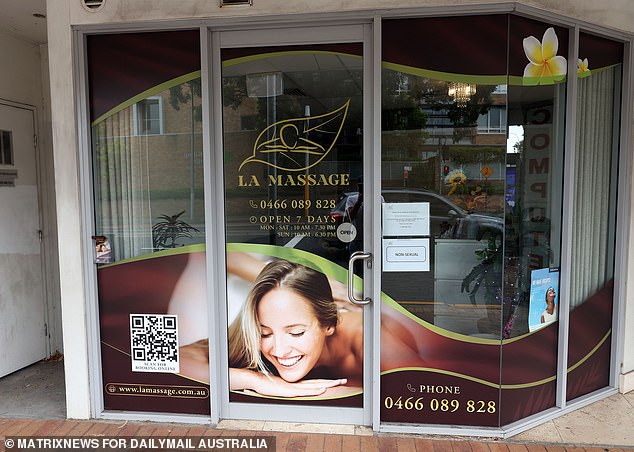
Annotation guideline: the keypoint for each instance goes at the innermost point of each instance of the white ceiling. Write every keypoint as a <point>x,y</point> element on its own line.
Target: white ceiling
<point>16,19</point>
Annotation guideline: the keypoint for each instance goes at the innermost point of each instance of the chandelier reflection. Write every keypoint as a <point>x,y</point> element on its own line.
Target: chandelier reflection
<point>461,92</point>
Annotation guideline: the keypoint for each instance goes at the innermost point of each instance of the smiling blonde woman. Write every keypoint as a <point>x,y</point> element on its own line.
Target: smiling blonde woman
<point>290,327</point>
<point>295,336</point>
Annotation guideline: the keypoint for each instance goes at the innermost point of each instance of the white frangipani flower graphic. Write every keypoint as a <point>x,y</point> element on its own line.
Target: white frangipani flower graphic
<point>544,63</point>
<point>583,69</point>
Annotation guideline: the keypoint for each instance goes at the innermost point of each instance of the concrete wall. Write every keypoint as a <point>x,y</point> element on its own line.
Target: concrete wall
<point>48,210</point>
<point>626,382</point>
<point>21,81</point>
<point>68,210</point>
<point>62,14</point>
<point>617,14</point>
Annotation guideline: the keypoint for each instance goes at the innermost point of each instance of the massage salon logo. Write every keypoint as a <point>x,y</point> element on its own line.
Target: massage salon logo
<point>297,144</point>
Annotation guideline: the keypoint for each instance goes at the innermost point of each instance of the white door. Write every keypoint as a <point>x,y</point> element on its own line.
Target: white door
<point>22,325</point>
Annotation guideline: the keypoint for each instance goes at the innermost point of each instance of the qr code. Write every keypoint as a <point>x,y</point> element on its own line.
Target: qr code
<point>154,343</point>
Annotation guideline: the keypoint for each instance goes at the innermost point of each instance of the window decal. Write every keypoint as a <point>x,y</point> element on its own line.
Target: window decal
<point>291,142</point>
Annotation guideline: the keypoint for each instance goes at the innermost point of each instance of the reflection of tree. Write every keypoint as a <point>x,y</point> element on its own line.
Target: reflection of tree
<point>463,117</point>
<point>401,113</point>
<point>321,94</point>
<point>400,107</point>
<point>189,93</point>
<point>186,93</point>
<point>168,230</point>
<point>234,90</point>
<point>464,155</point>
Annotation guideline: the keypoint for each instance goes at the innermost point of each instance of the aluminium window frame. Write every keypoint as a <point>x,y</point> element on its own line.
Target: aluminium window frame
<point>492,130</point>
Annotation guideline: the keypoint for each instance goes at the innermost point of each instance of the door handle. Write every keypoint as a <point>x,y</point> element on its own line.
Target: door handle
<point>357,255</point>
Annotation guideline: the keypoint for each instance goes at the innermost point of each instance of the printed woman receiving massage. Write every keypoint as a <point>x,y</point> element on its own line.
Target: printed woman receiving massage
<point>290,328</point>
<point>291,339</point>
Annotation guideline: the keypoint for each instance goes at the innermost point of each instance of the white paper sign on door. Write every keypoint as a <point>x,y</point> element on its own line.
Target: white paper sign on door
<point>405,255</point>
<point>405,219</point>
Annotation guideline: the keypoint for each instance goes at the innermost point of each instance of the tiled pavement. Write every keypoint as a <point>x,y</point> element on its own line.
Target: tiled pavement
<point>285,441</point>
<point>37,394</point>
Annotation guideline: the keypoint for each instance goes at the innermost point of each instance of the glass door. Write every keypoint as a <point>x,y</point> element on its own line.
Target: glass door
<point>292,138</point>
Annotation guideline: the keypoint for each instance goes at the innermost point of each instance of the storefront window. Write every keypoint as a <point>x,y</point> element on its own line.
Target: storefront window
<point>473,175</point>
<point>477,139</point>
<point>535,166</point>
<point>148,173</point>
<point>594,213</point>
<point>443,158</point>
<point>145,105</point>
<point>532,245</point>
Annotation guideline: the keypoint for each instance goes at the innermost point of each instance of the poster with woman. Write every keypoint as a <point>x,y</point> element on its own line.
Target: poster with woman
<point>544,298</point>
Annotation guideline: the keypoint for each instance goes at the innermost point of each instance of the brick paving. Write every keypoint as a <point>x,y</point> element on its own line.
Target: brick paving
<point>285,441</point>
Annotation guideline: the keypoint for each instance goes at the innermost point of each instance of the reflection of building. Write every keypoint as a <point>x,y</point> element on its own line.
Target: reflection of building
<point>158,140</point>
<point>469,135</point>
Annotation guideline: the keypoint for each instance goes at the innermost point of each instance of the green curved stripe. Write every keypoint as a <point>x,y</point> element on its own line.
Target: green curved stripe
<point>446,333</point>
<point>478,79</point>
<point>127,354</point>
<point>592,352</point>
<point>341,274</point>
<point>497,385</point>
<point>448,76</point>
<point>260,56</point>
<point>597,70</point>
<point>475,79</point>
<point>300,257</point>
<point>149,92</point>
<point>516,80</point>
<point>167,252</point>
<point>443,372</point>
<point>253,394</point>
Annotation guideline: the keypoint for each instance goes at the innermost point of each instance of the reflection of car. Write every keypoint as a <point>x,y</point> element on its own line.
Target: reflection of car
<point>447,220</point>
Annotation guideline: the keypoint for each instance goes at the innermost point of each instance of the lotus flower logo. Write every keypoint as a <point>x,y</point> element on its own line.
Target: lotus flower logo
<point>299,143</point>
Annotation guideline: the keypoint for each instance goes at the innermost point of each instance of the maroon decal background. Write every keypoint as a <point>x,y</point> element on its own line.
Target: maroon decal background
<point>139,287</point>
<point>524,362</point>
<point>600,52</point>
<point>120,66</point>
<point>433,410</point>
<point>349,49</point>
<point>471,45</point>
<point>589,323</point>
<point>474,45</point>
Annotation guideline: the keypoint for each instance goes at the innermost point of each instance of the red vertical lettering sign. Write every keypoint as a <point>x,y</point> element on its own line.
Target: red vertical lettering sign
<point>536,172</point>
